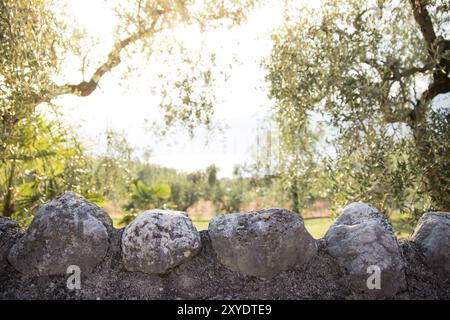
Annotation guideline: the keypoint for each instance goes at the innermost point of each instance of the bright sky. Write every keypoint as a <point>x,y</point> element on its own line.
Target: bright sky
<point>243,98</point>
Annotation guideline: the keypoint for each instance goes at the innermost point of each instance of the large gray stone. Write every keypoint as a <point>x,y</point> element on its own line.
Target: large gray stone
<point>7,225</point>
<point>159,240</point>
<point>361,238</point>
<point>9,230</point>
<point>66,231</point>
<point>262,243</point>
<point>432,235</point>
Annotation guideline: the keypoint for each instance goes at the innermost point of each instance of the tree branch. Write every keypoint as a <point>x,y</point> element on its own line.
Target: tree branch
<point>441,82</point>
<point>85,88</point>
<point>423,19</point>
<point>398,74</point>
<point>434,89</point>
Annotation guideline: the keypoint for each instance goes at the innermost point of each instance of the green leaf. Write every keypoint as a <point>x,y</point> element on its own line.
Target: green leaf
<point>162,190</point>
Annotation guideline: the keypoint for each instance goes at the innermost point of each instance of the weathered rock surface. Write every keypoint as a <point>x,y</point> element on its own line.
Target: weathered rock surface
<point>66,231</point>
<point>432,235</point>
<point>159,240</point>
<point>262,243</point>
<point>360,238</point>
<point>7,225</point>
<point>9,230</point>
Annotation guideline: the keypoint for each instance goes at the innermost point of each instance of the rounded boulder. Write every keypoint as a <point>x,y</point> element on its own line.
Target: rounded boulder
<point>66,231</point>
<point>364,244</point>
<point>159,240</point>
<point>262,243</point>
<point>432,235</point>
<point>9,231</point>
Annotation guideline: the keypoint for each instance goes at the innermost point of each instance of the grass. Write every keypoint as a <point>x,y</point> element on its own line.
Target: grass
<point>317,226</point>
<point>201,224</point>
<point>403,225</point>
<point>116,221</point>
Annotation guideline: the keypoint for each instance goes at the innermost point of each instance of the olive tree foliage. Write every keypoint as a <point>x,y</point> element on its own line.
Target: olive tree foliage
<point>113,166</point>
<point>35,39</point>
<point>30,147</point>
<point>29,39</point>
<point>378,72</point>
<point>145,28</point>
<point>286,172</point>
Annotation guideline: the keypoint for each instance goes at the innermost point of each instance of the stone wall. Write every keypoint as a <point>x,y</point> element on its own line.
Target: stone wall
<point>72,251</point>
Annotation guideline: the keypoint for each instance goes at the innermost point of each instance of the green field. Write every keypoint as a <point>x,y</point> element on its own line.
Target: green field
<point>402,224</point>
<point>317,226</point>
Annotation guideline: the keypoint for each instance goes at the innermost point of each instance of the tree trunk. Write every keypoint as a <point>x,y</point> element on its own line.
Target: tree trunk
<point>294,196</point>
<point>10,195</point>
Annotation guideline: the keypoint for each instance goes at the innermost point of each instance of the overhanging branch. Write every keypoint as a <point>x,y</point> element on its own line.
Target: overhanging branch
<point>441,82</point>
<point>399,74</point>
<point>85,88</point>
<point>424,22</point>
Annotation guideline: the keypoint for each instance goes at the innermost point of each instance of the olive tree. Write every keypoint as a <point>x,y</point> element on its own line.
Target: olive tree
<point>378,72</point>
